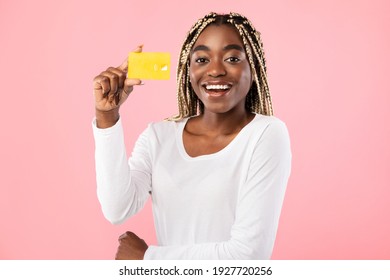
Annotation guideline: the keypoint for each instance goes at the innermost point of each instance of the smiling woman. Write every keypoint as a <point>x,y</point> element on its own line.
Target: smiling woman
<point>217,171</point>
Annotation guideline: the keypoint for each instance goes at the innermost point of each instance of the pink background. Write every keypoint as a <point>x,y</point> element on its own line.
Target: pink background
<point>328,64</point>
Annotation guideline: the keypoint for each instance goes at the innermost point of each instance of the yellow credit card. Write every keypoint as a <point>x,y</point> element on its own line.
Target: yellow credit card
<point>149,65</point>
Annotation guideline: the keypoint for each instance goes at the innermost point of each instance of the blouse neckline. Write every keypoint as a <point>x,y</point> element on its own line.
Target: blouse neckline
<point>183,152</point>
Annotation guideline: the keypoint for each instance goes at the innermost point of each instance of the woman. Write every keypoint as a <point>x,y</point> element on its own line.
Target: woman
<point>217,171</point>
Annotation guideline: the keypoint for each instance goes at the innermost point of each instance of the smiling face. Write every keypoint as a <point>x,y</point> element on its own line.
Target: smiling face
<point>220,73</point>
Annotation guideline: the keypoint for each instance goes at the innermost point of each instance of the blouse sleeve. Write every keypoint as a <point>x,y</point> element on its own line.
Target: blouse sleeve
<point>259,206</point>
<point>123,185</point>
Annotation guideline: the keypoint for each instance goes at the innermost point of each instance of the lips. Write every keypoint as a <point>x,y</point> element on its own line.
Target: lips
<point>216,88</point>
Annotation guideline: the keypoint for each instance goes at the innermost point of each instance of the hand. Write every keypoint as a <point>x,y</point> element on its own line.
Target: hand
<point>131,247</point>
<point>111,89</point>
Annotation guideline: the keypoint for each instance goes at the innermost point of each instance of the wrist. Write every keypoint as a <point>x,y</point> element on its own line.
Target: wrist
<point>143,255</point>
<point>105,119</point>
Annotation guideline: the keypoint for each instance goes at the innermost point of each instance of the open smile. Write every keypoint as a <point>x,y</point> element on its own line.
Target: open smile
<point>217,89</point>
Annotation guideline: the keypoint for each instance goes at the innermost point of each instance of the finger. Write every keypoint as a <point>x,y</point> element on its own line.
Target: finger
<point>122,236</point>
<point>123,66</point>
<point>129,83</point>
<point>118,254</point>
<point>126,234</point>
<point>114,79</point>
<point>101,84</point>
<point>138,48</point>
<point>121,75</point>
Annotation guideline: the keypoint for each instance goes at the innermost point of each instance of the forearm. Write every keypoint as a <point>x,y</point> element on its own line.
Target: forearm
<point>117,191</point>
<point>229,250</point>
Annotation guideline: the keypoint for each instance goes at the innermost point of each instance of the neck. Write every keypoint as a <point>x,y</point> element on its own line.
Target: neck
<point>224,123</point>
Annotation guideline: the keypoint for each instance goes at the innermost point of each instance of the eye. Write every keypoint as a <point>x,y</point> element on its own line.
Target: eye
<point>233,59</point>
<point>201,60</point>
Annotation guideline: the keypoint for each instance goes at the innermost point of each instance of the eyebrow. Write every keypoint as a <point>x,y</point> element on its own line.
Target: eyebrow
<point>234,47</point>
<point>226,48</point>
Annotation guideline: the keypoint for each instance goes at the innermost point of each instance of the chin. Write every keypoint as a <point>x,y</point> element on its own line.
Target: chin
<point>217,109</point>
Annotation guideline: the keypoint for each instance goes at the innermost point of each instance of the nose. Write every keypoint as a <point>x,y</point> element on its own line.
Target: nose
<point>216,69</point>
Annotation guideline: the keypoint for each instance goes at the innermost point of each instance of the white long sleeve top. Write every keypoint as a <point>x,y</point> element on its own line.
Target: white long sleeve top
<point>224,205</point>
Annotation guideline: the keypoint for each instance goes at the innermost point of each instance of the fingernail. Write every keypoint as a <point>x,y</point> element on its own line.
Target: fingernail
<point>141,83</point>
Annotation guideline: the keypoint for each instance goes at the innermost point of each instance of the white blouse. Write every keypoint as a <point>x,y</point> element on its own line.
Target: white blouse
<point>224,205</point>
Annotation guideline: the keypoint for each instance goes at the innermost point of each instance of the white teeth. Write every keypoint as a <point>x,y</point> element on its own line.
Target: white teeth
<point>209,87</point>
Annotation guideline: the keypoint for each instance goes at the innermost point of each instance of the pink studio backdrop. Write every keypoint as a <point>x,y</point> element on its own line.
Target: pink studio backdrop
<point>328,64</point>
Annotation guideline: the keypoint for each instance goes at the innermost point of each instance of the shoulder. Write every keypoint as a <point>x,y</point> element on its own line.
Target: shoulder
<point>165,129</point>
<point>263,119</point>
<point>274,137</point>
<point>271,136</point>
<point>165,126</point>
<point>268,125</point>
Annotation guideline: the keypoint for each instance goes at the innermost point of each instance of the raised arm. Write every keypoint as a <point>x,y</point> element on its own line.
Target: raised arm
<point>122,186</point>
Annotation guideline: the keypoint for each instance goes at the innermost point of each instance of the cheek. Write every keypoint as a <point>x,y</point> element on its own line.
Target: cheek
<point>193,71</point>
<point>194,77</point>
<point>246,78</point>
<point>193,82</point>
